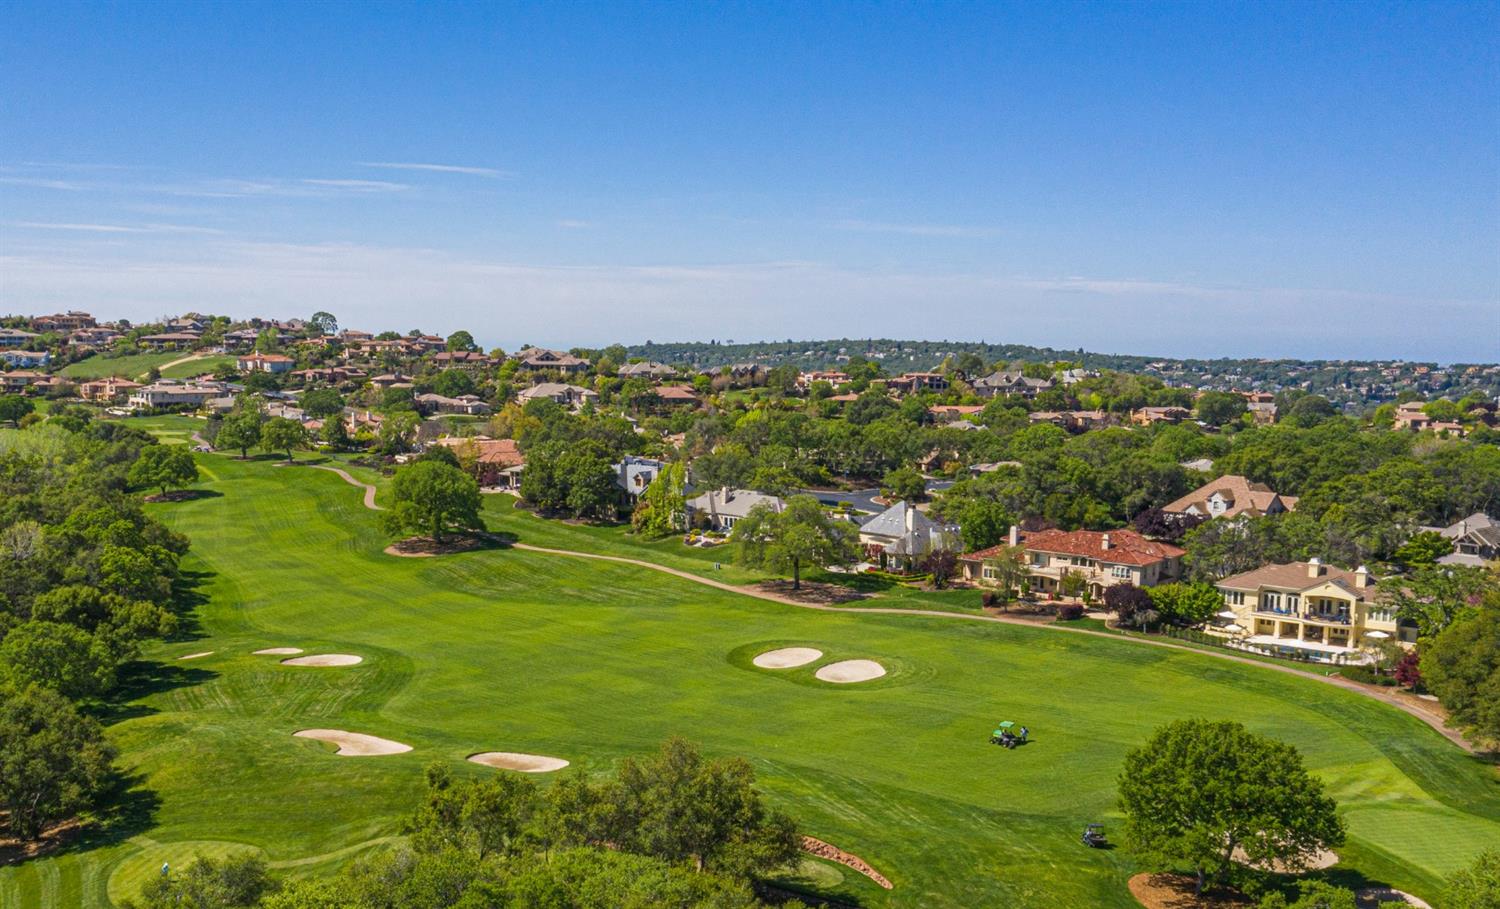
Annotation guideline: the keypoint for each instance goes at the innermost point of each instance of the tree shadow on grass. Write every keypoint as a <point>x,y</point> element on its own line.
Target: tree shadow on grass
<point>141,679</point>
<point>127,809</point>
<point>186,598</point>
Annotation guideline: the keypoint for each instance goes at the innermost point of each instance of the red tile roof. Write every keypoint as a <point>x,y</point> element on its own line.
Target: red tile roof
<point>1126,547</point>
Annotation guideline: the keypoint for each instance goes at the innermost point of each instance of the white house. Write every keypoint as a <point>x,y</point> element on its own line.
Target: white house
<point>721,508</point>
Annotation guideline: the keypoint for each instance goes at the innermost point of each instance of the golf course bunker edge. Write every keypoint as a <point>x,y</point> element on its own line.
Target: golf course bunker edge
<point>845,672</point>
<point>325,659</point>
<point>354,744</point>
<point>513,760</point>
<point>787,657</point>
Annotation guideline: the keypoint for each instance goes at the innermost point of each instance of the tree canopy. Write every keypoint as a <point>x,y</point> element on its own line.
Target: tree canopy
<point>799,536</point>
<point>433,497</point>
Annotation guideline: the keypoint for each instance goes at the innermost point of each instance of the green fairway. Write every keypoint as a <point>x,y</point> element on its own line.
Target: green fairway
<point>506,650</point>
<point>136,366</point>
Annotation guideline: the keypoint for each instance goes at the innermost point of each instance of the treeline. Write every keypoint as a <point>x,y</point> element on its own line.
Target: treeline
<point>85,579</point>
<point>674,830</point>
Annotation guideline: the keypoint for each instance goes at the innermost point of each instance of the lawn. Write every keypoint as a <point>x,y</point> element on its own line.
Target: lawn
<point>590,661</point>
<point>135,366</point>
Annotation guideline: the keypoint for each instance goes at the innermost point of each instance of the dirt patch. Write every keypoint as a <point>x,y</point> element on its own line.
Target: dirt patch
<point>14,851</point>
<point>1175,891</point>
<point>814,846</point>
<point>325,660</point>
<point>425,547</point>
<point>846,671</point>
<point>525,763</point>
<point>277,651</point>
<point>787,658</point>
<point>175,495</point>
<point>811,592</point>
<point>354,744</point>
<point>1323,858</point>
<point>197,656</point>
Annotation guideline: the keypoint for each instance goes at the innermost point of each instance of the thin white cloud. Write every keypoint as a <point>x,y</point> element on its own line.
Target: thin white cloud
<point>364,186</point>
<point>116,228</point>
<point>39,183</point>
<point>574,224</point>
<point>917,230</point>
<point>436,168</point>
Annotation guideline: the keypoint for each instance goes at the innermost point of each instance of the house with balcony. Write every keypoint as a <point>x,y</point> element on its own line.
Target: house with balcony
<point>541,358</point>
<point>1010,382</point>
<point>15,337</point>
<point>573,396</point>
<point>1103,559</point>
<point>1230,496</point>
<point>25,359</point>
<point>1316,609</point>
<point>261,362</point>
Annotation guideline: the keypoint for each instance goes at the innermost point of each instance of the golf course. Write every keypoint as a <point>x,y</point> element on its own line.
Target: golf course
<point>521,652</point>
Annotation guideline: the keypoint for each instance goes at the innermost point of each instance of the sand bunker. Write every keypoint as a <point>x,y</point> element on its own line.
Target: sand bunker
<point>1324,858</point>
<point>354,744</point>
<point>278,651</point>
<point>851,671</point>
<point>526,763</point>
<point>324,659</point>
<point>197,656</point>
<point>787,657</point>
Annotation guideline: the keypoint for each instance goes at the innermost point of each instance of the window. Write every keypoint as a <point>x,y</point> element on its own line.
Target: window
<point>988,573</point>
<point>1234,598</point>
<point>1270,600</point>
<point>1119,571</point>
<point>1292,601</point>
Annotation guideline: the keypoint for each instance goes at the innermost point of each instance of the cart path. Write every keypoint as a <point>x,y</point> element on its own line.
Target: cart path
<point>369,490</point>
<point>1428,716</point>
<point>179,361</point>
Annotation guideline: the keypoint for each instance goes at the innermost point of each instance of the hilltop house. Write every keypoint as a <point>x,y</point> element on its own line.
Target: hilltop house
<point>1310,607</point>
<point>1230,496</point>
<point>649,370</point>
<point>900,537</point>
<point>719,509</point>
<point>15,337</point>
<point>564,394</point>
<point>1475,539</point>
<point>497,462</point>
<point>25,359</point>
<point>541,358</point>
<point>1010,383</point>
<point>1103,558</point>
<point>107,391</point>
<point>259,362</point>
<point>468,405</point>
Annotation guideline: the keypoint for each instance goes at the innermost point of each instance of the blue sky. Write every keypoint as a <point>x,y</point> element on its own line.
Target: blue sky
<point>1299,179</point>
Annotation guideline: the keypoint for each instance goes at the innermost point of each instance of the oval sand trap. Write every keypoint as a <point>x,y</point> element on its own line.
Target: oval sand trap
<point>787,657</point>
<point>324,659</point>
<point>354,744</point>
<point>197,656</point>
<point>526,763</point>
<point>278,651</point>
<point>851,671</point>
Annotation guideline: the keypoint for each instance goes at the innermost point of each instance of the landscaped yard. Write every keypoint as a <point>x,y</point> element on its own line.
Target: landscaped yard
<point>507,650</point>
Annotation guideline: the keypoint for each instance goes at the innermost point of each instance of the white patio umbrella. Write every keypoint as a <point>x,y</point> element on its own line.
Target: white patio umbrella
<point>1233,629</point>
<point>1226,614</point>
<point>1377,635</point>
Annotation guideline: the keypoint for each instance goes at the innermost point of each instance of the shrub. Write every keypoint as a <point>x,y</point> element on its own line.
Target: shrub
<point>1069,612</point>
<point>989,598</point>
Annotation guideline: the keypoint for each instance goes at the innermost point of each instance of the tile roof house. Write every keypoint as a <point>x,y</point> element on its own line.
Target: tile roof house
<point>1311,608</point>
<point>1146,416</point>
<point>1476,541</point>
<point>1230,496</point>
<point>901,536</point>
<point>259,362</point>
<point>1103,558</point>
<point>677,394</point>
<point>498,462</point>
<point>470,405</point>
<point>719,509</point>
<point>541,358</point>
<point>72,320</point>
<point>564,394</point>
<point>104,391</point>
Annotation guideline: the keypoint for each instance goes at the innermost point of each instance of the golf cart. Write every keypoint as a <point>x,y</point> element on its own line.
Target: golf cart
<point>1093,835</point>
<point>1006,737</point>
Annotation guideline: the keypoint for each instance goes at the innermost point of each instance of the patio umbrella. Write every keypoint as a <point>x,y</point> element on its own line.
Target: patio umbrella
<point>1377,635</point>
<point>1226,614</point>
<point>1233,629</point>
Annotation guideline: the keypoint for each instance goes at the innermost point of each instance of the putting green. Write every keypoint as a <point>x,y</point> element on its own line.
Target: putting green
<point>504,647</point>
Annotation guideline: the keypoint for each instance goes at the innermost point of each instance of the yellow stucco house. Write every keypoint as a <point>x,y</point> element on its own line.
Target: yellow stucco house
<point>1325,612</point>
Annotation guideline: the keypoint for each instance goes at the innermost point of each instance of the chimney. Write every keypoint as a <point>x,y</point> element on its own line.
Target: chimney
<point>1362,577</point>
<point>1315,567</point>
<point>910,515</point>
<point>1014,539</point>
<point>1104,541</point>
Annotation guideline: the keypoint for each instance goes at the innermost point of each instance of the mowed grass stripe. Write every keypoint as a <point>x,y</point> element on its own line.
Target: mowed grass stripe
<point>593,661</point>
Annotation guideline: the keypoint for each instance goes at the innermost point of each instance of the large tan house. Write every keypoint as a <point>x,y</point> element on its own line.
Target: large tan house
<point>1311,607</point>
<point>1230,496</point>
<point>1104,559</point>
